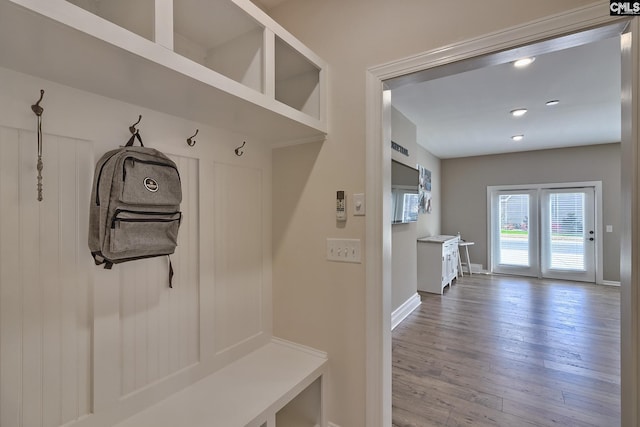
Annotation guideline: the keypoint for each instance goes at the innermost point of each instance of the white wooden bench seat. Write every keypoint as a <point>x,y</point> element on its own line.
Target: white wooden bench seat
<point>248,392</point>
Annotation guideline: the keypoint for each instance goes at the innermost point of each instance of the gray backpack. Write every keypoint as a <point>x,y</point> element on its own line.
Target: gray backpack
<point>135,206</point>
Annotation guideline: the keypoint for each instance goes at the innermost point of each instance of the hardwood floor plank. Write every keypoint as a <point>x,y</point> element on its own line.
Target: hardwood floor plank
<point>561,416</point>
<point>509,351</point>
<point>469,417</point>
<point>606,405</point>
<point>409,418</point>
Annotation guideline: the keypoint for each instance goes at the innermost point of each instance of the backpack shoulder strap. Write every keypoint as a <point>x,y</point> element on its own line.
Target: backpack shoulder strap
<point>170,272</point>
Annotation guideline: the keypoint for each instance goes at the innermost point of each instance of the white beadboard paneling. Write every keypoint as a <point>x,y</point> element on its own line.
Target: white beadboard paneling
<point>10,286</point>
<point>50,284</point>
<point>45,331</point>
<point>76,313</point>
<point>32,302</point>
<point>153,319</point>
<point>238,249</point>
<point>207,264</point>
<point>128,284</point>
<point>159,326</point>
<point>83,294</point>
<point>107,364</point>
<point>186,261</point>
<point>140,296</point>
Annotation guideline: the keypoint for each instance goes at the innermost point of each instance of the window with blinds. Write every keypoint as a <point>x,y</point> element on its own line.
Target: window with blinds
<point>566,228</point>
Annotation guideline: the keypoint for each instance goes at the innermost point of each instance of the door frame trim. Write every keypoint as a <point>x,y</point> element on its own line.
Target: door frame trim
<point>598,220</point>
<point>378,402</point>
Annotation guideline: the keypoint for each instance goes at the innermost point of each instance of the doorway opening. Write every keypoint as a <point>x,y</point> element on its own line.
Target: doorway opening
<point>547,231</point>
<point>580,24</point>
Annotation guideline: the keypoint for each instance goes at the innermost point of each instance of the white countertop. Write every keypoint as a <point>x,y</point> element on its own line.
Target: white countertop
<point>437,239</point>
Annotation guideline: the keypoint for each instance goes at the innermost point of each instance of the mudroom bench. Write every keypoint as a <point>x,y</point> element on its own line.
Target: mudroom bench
<point>279,385</point>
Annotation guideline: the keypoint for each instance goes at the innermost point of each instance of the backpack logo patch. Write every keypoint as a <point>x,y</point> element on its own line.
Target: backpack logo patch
<point>151,184</point>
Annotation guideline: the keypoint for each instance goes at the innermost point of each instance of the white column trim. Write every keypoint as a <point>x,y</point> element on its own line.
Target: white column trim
<point>630,230</point>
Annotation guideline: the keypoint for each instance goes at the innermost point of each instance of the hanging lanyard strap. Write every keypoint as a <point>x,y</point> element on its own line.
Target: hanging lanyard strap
<point>38,110</point>
<point>40,164</point>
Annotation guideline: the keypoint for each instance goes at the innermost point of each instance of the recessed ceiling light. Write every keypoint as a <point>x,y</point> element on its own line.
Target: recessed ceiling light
<point>552,103</point>
<point>524,62</point>
<point>517,137</point>
<point>518,112</point>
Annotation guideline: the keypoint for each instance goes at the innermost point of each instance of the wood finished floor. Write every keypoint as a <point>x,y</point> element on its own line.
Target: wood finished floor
<point>508,351</point>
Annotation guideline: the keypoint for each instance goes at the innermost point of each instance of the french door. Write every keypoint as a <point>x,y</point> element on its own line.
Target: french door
<point>568,234</point>
<point>514,232</point>
<point>544,232</point>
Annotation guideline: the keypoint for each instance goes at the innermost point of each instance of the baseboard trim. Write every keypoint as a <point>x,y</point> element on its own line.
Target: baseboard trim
<point>610,283</point>
<point>475,268</point>
<point>330,424</point>
<point>300,347</point>
<point>404,310</point>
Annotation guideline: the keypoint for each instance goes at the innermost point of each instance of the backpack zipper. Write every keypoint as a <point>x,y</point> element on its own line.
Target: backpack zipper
<point>118,211</point>
<point>100,177</point>
<point>147,162</point>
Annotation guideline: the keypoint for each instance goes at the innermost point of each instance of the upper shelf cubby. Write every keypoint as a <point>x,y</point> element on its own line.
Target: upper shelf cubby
<point>136,16</point>
<point>221,62</point>
<point>222,37</point>
<point>297,79</point>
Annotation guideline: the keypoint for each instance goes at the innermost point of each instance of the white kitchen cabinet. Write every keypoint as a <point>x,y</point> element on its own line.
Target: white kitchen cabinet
<point>437,263</point>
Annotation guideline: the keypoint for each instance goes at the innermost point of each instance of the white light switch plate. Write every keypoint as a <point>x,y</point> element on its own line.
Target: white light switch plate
<point>344,250</point>
<point>609,228</point>
<point>358,204</point>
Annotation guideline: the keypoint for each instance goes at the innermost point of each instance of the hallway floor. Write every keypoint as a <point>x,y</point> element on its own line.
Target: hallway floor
<point>509,351</point>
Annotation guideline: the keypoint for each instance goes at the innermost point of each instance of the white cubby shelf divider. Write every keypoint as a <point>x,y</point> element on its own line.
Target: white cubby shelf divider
<point>222,62</point>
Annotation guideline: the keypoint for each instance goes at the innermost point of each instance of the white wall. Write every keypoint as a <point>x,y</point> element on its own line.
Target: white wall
<point>404,268</point>
<point>80,342</point>
<point>429,224</point>
<point>404,275</point>
<point>352,36</point>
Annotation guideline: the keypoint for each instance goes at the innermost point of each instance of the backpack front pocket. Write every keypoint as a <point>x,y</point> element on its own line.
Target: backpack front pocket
<point>149,182</point>
<point>156,232</point>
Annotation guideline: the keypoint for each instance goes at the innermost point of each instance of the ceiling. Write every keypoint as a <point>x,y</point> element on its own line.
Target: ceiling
<point>268,4</point>
<point>468,114</point>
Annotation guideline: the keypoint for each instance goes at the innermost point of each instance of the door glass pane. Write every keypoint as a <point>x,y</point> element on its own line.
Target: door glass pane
<point>514,229</point>
<point>566,213</point>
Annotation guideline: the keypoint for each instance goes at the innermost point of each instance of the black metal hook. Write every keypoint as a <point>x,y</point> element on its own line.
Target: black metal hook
<point>36,108</point>
<point>238,152</point>
<point>190,141</point>
<point>132,128</point>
